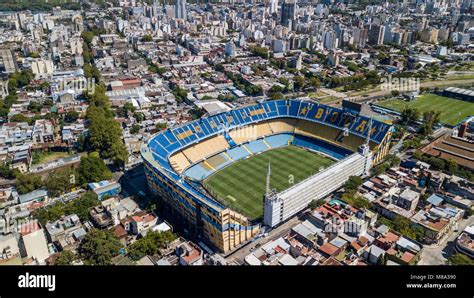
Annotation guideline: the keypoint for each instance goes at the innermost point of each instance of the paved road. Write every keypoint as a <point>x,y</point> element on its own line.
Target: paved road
<point>438,254</point>
<point>276,233</point>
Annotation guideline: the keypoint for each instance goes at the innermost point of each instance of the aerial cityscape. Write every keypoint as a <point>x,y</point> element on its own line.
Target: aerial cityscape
<point>237,132</point>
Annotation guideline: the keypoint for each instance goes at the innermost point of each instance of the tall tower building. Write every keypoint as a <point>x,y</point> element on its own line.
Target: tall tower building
<point>180,10</point>
<point>8,60</point>
<point>288,13</point>
<point>376,34</point>
<point>273,6</point>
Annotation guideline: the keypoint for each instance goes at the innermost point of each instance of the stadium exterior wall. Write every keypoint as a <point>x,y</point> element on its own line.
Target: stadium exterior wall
<point>222,228</point>
<point>281,206</point>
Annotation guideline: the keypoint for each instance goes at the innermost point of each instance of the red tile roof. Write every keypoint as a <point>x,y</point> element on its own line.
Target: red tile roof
<point>407,256</point>
<point>328,249</point>
<point>30,227</point>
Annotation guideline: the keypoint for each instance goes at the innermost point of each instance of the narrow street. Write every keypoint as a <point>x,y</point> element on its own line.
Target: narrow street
<point>438,254</point>
<point>239,255</point>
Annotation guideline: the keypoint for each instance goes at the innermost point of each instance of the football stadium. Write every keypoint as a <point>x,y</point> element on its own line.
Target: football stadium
<point>226,175</point>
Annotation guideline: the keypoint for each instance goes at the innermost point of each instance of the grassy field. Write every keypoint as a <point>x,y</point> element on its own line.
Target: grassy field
<point>241,185</point>
<point>44,157</point>
<point>452,110</point>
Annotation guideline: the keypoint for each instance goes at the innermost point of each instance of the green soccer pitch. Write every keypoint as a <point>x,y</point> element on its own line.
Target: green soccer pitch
<point>452,110</point>
<point>241,185</point>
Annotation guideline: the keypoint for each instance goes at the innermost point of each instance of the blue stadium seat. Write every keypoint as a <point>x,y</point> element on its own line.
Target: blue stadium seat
<point>294,106</point>
<point>205,123</point>
<point>229,140</point>
<point>270,108</point>
<point>238,153</point>
<point>197,172</point>
<point>237,117</point>
<point>257,146</point>
<point>282,108</point>
<point>279,140</point>
<point>228,161</point>
<point>320,146</point>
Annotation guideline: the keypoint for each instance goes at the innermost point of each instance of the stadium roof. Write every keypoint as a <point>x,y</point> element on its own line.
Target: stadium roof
<point>460,91</point>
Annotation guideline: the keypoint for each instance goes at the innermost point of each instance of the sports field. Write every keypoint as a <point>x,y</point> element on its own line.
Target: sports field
<point>241,185</point>
<point>452,110</point>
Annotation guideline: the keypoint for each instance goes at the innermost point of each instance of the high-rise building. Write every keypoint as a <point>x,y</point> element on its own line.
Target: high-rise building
<point>376,34</point>
<point>288,13</point>
<point>8,60</point>
<point>180,9</point>
<point>330,40</point>
<point>273,6</point>
<point>230,49</point>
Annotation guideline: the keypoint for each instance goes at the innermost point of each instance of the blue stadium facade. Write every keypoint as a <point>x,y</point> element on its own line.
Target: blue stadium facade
<point>330,131</point>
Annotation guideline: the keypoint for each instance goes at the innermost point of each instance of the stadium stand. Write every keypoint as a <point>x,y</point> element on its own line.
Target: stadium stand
<point>316,130</point>
<point>238,153</point>
<point>263,129</point>
<point>198,172</point>
<point>320,146</point>
<point>257,146</point>
<point>279,140</point>
<point>282,125</point>
<point>218,161</point>
<point>205,148</point>
<point>179,162</point>
<point>243,134</point>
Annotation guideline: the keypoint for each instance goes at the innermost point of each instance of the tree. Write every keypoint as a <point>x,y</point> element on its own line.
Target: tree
<point>99,247</point>
<point>147,38</point>
<point>356,201</point>
<point>315,204</point>
<point>314,83</point>
<point>161,126</point>
<point>150,244</point>
<point>392,160</point>
<point>156,69</point>
<point>254,90</point>
<point>79,206</point>
<point>71,116</point>
<point>382,260</point>
<point>138,116</point>
<point>259,51</point>
<point>65,257</point>
<point>403,226</point>
<point>34,107</point>
<point>105,134</point>
<point>409,115</point>
<point>135,129</point>
<point>299,82</point>
<point>20,118</point>
<point>28,183</point>
<point>276,96</point>
<point>6,172</point>
<point>87,36</point>
<point>180,94</point>
<point>353,183</point>
<point>60,181</point>
<point>91,71</point>
<point>196,112</point>
<point>93,169</point>
<point>226,97</point>
<point>459,259</point>
<point>452,166</point>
